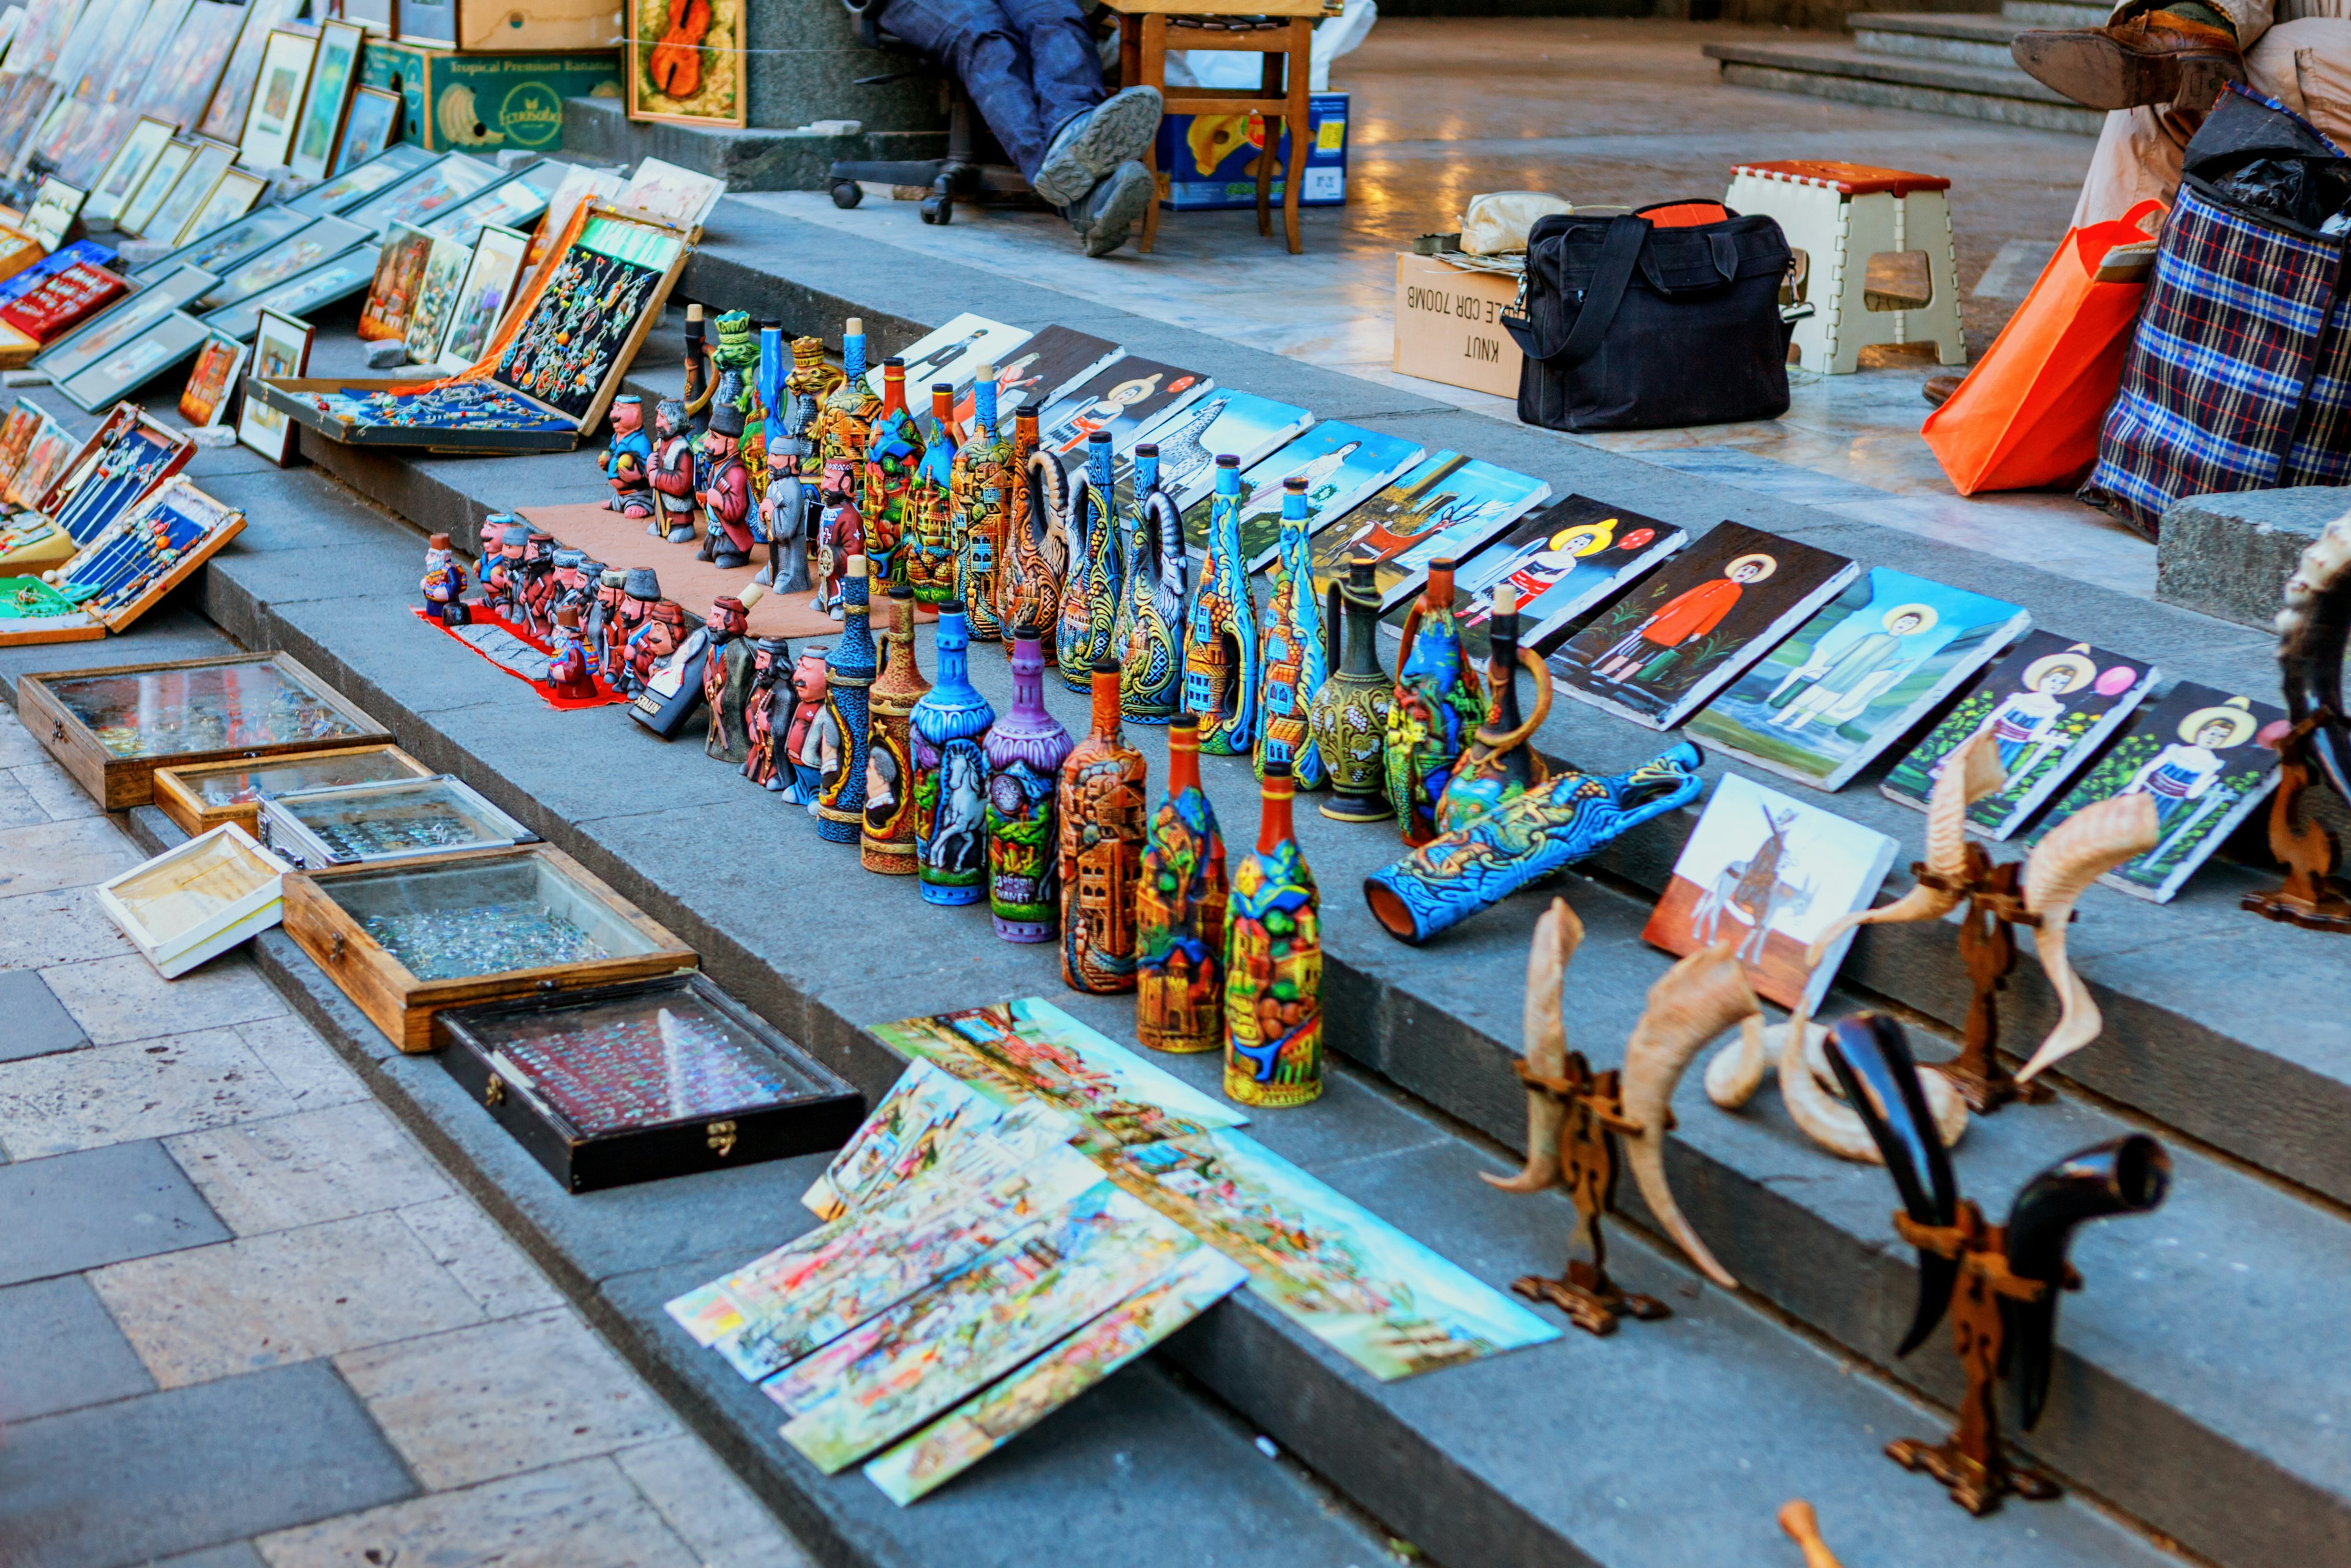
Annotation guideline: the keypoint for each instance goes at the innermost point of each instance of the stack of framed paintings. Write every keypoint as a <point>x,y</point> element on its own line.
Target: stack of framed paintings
<point>351,185</point>
<point>436,298</point>
<point>105,339</point>
<point>1241,423</point>
<point>124,368</point>
<point>56,207</point>
<point>543,378</point>
<point>320,240</point>
<point>230,198</point>
<point>122,572</point>
<point>339,277</point>
<point>185,79</point>
<point>517,202</point>
<point>232,100</point>
<point>423,194</point>
<point>223,252</point>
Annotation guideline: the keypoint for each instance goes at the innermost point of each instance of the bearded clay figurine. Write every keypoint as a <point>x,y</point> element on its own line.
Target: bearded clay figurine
<point>502,581</point>
<point>658,638</point>
<point>536,589</point>
<point>839,533</point>
<point>804,738</point>
<point>767,700</point>
<point>672,474</point>
<point>628,459</point>
<point>726,492</point>
<point>726,672</point>
<point>640,591</point>
<point>603,623</point>
<point>444,583</point>
<point>567,667</point>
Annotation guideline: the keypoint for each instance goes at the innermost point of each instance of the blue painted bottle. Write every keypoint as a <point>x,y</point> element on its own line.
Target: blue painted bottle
<point>849,677</point>
<point>1296,662</point>
<point>1220,646</point>
<point>1090,597</point>
<point>1145,639</point>
<point>950,726</point>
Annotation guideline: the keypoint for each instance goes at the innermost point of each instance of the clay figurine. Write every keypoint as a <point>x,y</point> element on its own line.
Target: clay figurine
<point>444,583</point>
<point>535,587</point>
<point>1036,532</point>
<point>1179,910</point>
<point>764,702</point>
<point>665,670</point>
<point>1090,594</point>
<point>849,678</point>
<point>727,491</point>
<point>567,664</point>
<point>1438,705</point>
<point>950,726</point>
<point>640,591</point>
<point>726,672</point>
<point>672,473</point>
<point>1273,963</point>
<point>1350,714</point>
<point>804,731</point>
<point>603,628</point>
<point>502,577</point>
<point>982,486</point>
<point>840,532</point>
<point>887,843</point>
<point>1145,636</point>
<point>929,546</point>
<point>1220,646</point>
<point>1100,810</point>
<point>628,459</point>
<point>1025,750</point>
<point>1295,658</point>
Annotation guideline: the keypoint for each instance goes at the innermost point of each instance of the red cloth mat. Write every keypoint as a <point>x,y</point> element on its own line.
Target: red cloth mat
<point>605,697</point>
<point>622,542</point>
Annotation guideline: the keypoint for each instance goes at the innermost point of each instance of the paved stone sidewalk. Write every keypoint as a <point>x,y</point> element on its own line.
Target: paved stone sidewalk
<point>244,1319</point>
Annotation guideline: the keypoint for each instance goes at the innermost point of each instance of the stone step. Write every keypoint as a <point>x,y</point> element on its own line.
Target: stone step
<point>1995,90</point>
<point>2054,13</point>
<point>1956,39</point>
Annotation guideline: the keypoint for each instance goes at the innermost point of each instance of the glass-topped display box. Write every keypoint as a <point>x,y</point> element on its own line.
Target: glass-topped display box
<point>357,824</point>
<point>201,796</point>
<point>112,728</point>
<point>406,940</point>
<point>637,1082</point>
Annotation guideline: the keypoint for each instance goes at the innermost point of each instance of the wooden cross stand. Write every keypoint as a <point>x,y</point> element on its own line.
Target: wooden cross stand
<point>1594,1106</point>
<point>2313,896</point>
<point>1995,905</point>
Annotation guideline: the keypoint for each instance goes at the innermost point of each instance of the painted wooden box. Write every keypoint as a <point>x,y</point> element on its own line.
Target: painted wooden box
<point>203,795</point>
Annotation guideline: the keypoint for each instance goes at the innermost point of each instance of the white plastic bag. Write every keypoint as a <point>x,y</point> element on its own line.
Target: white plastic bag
<point>1231,71</point>
<point>1496,222</point>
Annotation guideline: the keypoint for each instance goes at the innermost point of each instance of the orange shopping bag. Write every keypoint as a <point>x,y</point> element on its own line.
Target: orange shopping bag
<point>2028,414</point>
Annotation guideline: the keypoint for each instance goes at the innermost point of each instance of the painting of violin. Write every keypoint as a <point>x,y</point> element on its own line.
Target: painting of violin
<point>676,64</point>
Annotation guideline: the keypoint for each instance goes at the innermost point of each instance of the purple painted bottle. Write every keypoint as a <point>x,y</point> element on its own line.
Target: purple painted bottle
<point>1024,749</point>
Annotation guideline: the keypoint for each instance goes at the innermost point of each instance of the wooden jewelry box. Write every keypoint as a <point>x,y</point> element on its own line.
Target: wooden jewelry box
<point>122,572</point>
<point>111,729</point>
<point>199,796</point>
<point>634,1083</point>
<point>368,823</point>
<point>409,938</point>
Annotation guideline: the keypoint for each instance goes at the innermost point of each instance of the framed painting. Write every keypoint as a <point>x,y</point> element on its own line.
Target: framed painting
<point>277,99</point>
<point>368,129</point>
<point>127,168</point>
<point>53,212</point>
<point>354,184</point>
<point>298,253</point>
<point>230,200</point>
<point>232,100</point>
<point>436,298</point>
<point>165,346</point>
<point>426,194</point>
<point>281,348</point>
<point>483,297</point>
<point>340,279</point>
<point>73,354</point>
<point>205,171</point>
<point>138,210</point>
<point>321,124</point>
<point>184,79</point>
<point>517,204</point>
<point>220,253</point>
<point>392,298</point>
<point>688,73</point>
<point>669,195</point>
<point>212,381</point>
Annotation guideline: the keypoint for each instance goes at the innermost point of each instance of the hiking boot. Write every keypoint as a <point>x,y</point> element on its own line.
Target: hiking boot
<point>2158,57</point>
<point>1114,131</point>
<point>1112,207</point>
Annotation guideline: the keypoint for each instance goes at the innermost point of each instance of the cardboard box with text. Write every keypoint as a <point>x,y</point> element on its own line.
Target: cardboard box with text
<point>1448,326</point>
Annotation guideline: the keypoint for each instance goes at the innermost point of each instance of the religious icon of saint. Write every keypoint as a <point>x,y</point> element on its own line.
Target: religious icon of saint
<point>1839,682</point>
<point>1683,619</point>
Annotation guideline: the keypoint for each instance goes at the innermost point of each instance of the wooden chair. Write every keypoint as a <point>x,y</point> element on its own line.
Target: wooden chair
<point>1280,30</point>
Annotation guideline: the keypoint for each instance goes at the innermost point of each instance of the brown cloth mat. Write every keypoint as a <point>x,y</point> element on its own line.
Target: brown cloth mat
<point>622,542</point>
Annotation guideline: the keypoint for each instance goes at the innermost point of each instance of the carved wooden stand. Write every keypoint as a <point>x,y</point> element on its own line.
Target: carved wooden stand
<point>1971,1463</point>
<point>1594,1109</point>
<point>1988,947</point>
<point>2313,896</point>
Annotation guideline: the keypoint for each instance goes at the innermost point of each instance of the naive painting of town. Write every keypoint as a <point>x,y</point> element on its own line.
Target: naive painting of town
<point>925,1120</point>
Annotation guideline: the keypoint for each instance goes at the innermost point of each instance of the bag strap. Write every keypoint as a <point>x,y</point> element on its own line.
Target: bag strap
<point>1620,252</point>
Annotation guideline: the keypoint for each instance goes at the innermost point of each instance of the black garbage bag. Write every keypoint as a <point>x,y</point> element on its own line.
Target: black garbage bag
<point>2258,157</point>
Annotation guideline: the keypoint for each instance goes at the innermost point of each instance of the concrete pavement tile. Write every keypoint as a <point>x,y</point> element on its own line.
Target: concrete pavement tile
<point>309,1168</point>
<point>711,1510</point>
<point>85,1210</point>
<point>16,743</point>
<point>66,926</point>
<point>235,1555</point>
<point>59,1351</point>
<point>54,790</point>
<point>121,999</point>
<point>582,1515</point>
<point>491,1268</point>
<point>479,1403</point>
<point>314,1076</point>
<point>63,854</point>
<point>284,1297</point>
<point>113,1094</point>
<point>211,1466</point>
<point>19,808</point>
<point>38,1024</point>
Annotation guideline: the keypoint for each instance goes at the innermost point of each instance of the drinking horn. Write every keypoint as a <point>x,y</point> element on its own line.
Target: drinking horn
<point>1543,1033</point>
<point>2312,630</point>
<point>1796,1050</point>
<point>1970,772</point>
<point>1872,1059</point>
<point>2077,851</point>
<point>2129,1176</point>
<point>1691,1003</point>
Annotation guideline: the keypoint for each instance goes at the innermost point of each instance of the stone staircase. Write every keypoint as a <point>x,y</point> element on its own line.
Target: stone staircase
<point>1940,62</point>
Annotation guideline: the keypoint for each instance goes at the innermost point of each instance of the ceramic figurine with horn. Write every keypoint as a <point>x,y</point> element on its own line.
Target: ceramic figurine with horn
<point>1151,604</point>
<point>1583,1127</point>
<point>1273,962</point>
<point>1221,666</point>
<point>1179,909</point>
<point>2315,753</point>
<point>1040,544</point>
<point>887,844</point>
<point>672,473</point>
<point>1999,1284</point>
<point>950,727</point>
<point>628,459</point>
<point>982,486</point>
<point>444,583</point>
<point>1438,707</point>
<point>1101,809</point>
<point>929,546</point>
<point>1091,593</point>
<point>1025,750</point>
<point>2039,893</point>
<point>842,735</point>
<point>1296,662</point>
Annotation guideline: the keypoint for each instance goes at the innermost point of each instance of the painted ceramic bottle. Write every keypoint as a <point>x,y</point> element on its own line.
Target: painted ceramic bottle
<point>982,485</point>
<point>1220,647</point>
<point>1274,964</point>
<point>887,842</point>
<point>1437,707</point>
<point>1500,765</point>
<point>1100,810</point>
<point>950,726</point>
<point>849,677</point>
<point>844,420</point>
<point>893,456</point>
<point>1041,546</point>
<point>1024,769</point>
<point>1089,598</point>
<point>930,544</point>
<point>1351,712</point>
<point>1179,910</point>
<point>1295,660</point>
<point>1151,603</point>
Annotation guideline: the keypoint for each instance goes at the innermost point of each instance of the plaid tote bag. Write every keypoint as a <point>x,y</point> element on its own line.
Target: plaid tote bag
<point>2240,376</point>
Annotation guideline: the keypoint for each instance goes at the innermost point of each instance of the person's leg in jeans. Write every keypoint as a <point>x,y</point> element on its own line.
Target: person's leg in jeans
<point>1063,65</point>
<point>975,39</point>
